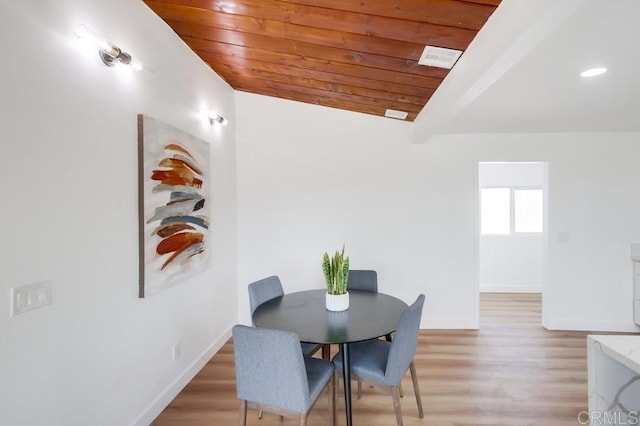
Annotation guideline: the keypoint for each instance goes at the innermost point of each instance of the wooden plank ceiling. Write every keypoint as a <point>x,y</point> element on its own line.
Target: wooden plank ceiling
<point>356,55</point>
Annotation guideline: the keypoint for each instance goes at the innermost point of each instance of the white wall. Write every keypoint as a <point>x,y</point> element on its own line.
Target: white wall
<point>525,174</point>
<point>594,217</point>
<point>311,178</point>
<point>514,262</point>
<point>99,355</point>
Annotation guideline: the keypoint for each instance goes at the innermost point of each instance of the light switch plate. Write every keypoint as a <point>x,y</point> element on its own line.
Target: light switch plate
<point>28,297</point>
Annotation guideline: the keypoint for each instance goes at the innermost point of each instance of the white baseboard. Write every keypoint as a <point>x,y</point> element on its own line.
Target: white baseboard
<point>166,396</point>
<point>578,325</point>
<point>487,288</point>
<point>449,324</point>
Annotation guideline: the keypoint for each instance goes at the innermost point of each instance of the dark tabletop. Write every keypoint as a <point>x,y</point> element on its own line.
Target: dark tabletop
<point>370,315</point>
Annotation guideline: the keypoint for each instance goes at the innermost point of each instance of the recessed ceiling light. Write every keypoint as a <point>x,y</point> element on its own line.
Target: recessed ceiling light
<point>593,72</point>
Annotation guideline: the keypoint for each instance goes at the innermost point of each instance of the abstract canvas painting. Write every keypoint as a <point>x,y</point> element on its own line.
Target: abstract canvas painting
<point>174,209</point>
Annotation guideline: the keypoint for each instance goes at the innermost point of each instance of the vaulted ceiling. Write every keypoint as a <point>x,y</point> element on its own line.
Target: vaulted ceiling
<point>356,55</point>
<point>522,73</point>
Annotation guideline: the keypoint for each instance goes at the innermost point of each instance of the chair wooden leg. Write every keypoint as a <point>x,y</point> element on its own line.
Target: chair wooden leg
<point>416,389</point>
<point>332,400</point>
<point>260,414</point>
<point>396,405</point>
<point>359,389</point>
<point>243,413</point>
<point>303,420</point>
<point>326,352</point>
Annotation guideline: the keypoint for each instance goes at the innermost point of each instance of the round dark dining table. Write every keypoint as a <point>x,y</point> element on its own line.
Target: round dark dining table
<point>370,315</point>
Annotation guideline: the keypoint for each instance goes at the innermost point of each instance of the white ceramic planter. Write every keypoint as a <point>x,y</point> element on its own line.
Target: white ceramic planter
<point>337,302</point>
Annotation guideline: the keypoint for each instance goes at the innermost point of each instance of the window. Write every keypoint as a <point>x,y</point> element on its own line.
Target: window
<point>505,211</point>
<point>495,210</point>
<point>527,210</point>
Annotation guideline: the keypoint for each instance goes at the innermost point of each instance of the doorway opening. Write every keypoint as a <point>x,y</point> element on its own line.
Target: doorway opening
<point>512,234</point>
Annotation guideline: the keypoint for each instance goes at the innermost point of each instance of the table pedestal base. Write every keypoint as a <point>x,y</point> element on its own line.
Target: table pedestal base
<point>346,375</point>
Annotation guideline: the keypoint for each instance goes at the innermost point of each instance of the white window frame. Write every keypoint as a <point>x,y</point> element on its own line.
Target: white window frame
<point>512,210</point>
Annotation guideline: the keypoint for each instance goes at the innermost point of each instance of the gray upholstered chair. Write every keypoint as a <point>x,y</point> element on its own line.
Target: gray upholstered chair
<point>365,280</point>
<point>272,375</point>
<point>362,280</point>
<point>384,364</point>
<point>269,288</point>
<point>263,290</point>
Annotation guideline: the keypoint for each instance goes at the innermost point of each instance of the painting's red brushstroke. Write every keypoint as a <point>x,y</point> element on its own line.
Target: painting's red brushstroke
<point>177,176</point>
<point>177,243</point>
<point>173,228</point>
<point>177,163</point>
<point>174,255</point>
<point>179,148</point>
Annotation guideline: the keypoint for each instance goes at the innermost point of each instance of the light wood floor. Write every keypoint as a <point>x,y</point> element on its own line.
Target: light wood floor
<point>510,372</point>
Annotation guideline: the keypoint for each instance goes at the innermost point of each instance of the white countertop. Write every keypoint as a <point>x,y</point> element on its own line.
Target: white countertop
<point>623,348</point>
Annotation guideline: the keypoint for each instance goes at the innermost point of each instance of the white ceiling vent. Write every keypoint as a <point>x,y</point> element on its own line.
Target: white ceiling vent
<point>392,113</point>
<point>439,57</point>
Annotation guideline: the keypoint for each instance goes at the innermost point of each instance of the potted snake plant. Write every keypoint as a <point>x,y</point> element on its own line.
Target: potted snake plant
<point>336,275</point>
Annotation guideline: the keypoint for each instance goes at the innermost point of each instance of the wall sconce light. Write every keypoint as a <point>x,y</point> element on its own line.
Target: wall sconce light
<point>217,118</point>
<point>109,52</point>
